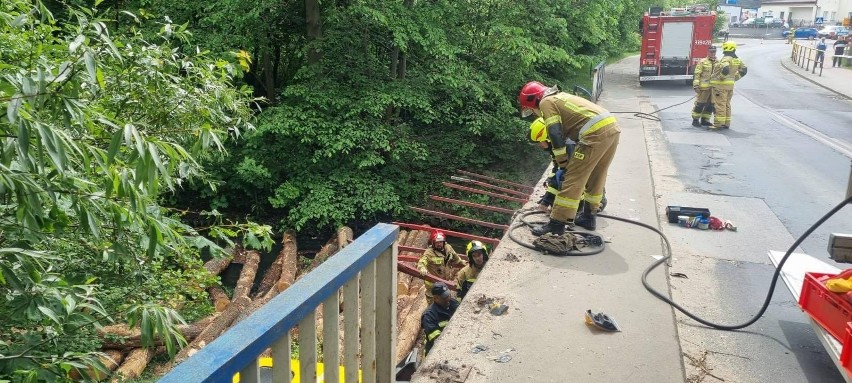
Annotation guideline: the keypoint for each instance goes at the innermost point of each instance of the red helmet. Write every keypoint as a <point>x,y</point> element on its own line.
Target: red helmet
<point>437,236</point>
<point>531,93</point>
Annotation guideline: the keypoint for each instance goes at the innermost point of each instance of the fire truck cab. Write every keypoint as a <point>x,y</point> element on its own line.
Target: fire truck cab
<point>673,42</point>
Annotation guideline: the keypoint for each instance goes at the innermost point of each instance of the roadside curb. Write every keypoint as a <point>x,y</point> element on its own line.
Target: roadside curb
<point>798,73</point>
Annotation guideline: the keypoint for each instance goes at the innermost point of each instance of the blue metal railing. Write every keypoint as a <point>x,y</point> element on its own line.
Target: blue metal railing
<point>372,257</point>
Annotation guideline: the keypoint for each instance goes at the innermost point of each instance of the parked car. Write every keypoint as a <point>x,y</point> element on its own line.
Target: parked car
<point>747,23</point>
<point>802,33</point>
<point>833,31</point>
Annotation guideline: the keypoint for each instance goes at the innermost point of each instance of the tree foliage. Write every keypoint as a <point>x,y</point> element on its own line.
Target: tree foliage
<point>98,127</point>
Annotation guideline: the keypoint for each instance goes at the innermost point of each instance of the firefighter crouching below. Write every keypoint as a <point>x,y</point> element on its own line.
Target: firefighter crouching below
<point>701,83</point>
<point>596,131</point>
<point>538,134</point>
<point>477,257</point>
<point>729,70</point>
<point>439,260</point>
<point>438,314</point>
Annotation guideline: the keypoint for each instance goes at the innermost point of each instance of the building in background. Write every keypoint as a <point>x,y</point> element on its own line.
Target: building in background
<point>738,11</point>
<point>808,12</point>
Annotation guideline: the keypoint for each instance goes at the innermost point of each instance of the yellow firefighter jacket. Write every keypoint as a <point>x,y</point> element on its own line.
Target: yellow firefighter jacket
<point>729,70</point>
<point>703,73</point>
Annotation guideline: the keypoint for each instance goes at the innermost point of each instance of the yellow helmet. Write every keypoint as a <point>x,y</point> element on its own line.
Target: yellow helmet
<point>729,46</point>
<point>538,132</point>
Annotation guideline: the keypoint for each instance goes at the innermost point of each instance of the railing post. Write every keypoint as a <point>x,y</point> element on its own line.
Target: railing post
<point>368,323</point>
<point>308,347</point>
<point>281,366</point>
<point>330,338</point>
<point>350,330</point>
<point>386,315</point>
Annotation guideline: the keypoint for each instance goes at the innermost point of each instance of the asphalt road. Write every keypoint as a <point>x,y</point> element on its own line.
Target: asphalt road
<point>779,168</point>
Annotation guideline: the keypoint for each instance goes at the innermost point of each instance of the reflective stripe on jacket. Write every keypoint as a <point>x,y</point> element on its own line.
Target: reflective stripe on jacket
<point>703,73</point>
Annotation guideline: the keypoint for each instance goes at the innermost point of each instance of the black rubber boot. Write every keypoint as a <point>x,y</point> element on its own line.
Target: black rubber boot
<point>695,122</point>
<point>586,220</point>
<point>706,122</point>
<point>552,227</point>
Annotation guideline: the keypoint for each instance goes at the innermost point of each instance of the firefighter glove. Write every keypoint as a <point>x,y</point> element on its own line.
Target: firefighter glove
<point>726,70</point>
<point>562,160</point>
<point>560,175</point>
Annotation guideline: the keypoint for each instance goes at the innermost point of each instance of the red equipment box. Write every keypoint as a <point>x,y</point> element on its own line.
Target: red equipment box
<point>846,354</point>
<point>829,309</point>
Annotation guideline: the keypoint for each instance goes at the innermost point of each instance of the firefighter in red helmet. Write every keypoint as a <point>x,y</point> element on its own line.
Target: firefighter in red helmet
<point>596,132</point>
<point>439,260</point>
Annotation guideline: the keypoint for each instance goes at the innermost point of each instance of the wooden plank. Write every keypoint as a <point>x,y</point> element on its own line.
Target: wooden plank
<point>308,347</point>
<point>793,275</point>
<point>368,323</point>
<point>350,330</point>
<point>386,316</point>
<point>251,373</point>
<point>281,360</point>
<point>331,338</point>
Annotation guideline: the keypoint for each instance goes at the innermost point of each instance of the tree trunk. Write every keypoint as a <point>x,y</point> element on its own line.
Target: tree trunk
<point>214,329</point>
<point>332,246</point>
<point>132,337</point>
<point>249,271</point>
<point>218,297</point>
<point>314,29</point>
<point>216,266</point>
<point>409,309</point>
<point>273,273</point>
<point>288,266</point>
<point>111,361</point>
<point>344,237</point>
<point>134,364</point>
<point>268,76</point>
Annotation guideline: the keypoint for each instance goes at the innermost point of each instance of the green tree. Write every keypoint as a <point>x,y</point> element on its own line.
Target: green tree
<point>97,128</point>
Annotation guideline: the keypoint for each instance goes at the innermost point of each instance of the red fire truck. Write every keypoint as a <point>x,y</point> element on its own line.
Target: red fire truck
<point>673,42</point>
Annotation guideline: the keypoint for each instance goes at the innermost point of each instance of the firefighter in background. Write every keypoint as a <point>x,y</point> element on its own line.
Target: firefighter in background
<point>438,314</point>
<point>596,131</point>
<point>728,70</point>
<point>439,260</point>
<point>538,135</point>
<point>792,35</point>
<point>701,83</point>
<point>477,257</point>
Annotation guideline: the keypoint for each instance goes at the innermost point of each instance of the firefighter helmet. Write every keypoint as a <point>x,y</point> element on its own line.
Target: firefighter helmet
<point>529,96</point>
<point>437,236</point>
<point>729,46</point>
<point>538,132</point>
<point>474,246</point>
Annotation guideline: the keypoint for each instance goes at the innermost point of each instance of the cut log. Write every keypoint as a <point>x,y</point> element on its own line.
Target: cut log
<point>408,327</point>
<point>273,273</point>
<point>121,336</point>
<point>344,237</point>
<point>288,266</point>
<point>111,360</point>
<point>216,266</point>
<point>134,364</point>
<point>249,271</point>
<point>214,329</point>
<point>218,297</point>
<point>330,248</point>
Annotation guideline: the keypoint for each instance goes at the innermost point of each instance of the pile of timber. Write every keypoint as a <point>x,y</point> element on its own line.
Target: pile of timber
<point>127,358</point>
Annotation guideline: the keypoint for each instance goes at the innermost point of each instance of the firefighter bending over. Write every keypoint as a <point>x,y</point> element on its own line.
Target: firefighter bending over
<point>438,314</point>
<point>729,70</point>
<point>477,257</point>
<point>439,260</point>
<point>597,133</point>
<point>701,83</point>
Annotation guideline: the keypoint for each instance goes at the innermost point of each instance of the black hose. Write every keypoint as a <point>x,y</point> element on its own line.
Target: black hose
<point>591,237</point>
<point>650,116</point>
<point>775,275</point>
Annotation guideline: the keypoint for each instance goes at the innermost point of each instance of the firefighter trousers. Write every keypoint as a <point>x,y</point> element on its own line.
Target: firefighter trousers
<point>722,107</point>
<point>586,170</point>
<point>703,104</point>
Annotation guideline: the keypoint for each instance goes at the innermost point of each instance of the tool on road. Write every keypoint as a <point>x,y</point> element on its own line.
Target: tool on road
<point>601,321</point>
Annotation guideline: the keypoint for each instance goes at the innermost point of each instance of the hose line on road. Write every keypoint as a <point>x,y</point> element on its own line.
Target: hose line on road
<point>775,275</point>
<point>650,115</point>
<point>588,237</point>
